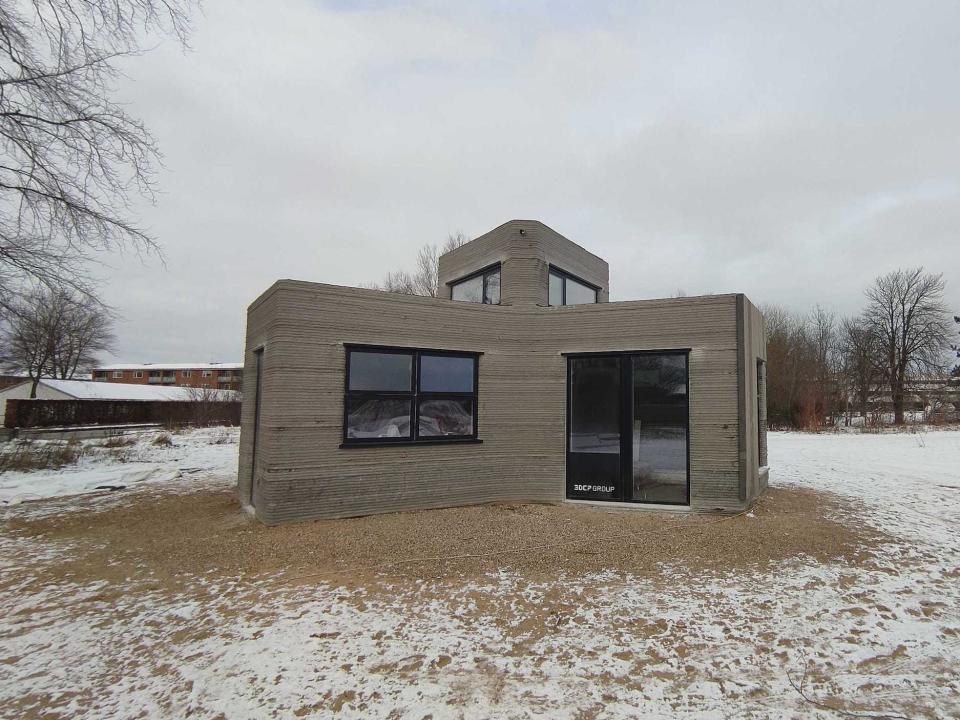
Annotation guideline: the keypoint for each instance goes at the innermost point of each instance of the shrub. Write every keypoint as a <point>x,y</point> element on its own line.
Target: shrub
<point>162,440</point>
<point>119,441</point>
<point>173,427</point>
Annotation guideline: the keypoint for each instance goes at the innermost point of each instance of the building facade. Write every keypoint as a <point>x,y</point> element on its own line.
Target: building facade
<point>522,382</point>
<point>218,376</point>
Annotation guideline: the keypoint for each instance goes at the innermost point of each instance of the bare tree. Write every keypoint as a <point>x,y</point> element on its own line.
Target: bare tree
<point>72,159</point>
<point>54,333</point>
<point>206,404</point>
<point>858,362</point>
<point>425,279</point>
<point>398,281</point>
<point>789,357</point>
<point>908,319</point>
<point>827,365</point>
<point>28,336</point>
<point>86,329</point>
<point>956,350</point>
<point>802,368</point>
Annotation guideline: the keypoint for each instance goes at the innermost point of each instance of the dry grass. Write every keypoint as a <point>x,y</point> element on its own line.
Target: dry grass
<point>26,456</point>
<point>119,441</point>
<point>162,440</point>
<point>173,427</point>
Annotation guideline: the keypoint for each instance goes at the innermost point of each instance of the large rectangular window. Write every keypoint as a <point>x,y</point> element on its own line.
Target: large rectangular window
<point>565,289</point>
<point>407,395</point>
<point>480,287</point>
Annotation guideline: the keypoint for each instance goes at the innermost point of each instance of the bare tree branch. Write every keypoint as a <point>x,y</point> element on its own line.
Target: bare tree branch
<point>71,159</point>
<point>425,279</point>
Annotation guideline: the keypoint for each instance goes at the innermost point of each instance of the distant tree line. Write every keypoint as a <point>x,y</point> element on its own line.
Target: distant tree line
<point>821,366</point>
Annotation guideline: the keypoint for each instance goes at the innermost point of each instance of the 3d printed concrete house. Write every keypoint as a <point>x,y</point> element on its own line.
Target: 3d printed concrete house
<point>521,383</point>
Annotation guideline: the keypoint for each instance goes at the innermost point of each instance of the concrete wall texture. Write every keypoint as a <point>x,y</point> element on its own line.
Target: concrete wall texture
<point>292,465</point>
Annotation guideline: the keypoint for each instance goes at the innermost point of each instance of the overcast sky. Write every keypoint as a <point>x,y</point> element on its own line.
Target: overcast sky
<point>788,151</point>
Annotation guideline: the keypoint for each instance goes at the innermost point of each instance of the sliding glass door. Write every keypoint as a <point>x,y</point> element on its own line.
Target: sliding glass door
<point>628,426</point>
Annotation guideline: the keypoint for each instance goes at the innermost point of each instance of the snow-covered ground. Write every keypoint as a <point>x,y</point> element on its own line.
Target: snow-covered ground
<point>101,468</point>
<point>879,638</point>
<point>909,483</point>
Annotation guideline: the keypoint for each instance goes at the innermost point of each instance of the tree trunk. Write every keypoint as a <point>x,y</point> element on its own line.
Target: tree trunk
<point>33,388</point>
<point>864,406</point>
<point>898,408</point>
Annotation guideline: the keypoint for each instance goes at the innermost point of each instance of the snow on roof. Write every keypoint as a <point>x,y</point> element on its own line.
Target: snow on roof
<point>89,390</point>
<point>172,366</point>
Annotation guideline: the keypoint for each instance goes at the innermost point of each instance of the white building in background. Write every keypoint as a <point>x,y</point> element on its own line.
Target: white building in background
<point>51,389</point>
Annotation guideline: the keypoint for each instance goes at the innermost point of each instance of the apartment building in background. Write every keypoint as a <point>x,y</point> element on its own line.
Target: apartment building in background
<point>219,376</point>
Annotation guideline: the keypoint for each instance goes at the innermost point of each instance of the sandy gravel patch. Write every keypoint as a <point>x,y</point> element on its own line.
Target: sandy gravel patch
<point>165,539</point>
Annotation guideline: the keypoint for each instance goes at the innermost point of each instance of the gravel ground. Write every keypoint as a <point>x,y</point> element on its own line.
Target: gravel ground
<point>837,593</point>
<point>164,539</point>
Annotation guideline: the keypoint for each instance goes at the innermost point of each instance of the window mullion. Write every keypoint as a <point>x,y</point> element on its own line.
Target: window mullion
<point>415,399</point>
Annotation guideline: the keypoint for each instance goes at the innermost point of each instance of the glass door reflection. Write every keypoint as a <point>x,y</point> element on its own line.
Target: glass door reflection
<point>593,441</point>
<point>628,427</point>
<point>659,432</point>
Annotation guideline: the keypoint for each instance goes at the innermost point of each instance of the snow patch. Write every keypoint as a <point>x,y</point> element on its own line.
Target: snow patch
<point>204,451</point>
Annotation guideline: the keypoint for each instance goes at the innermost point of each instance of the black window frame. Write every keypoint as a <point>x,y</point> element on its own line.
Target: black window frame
<point>564,276</point>
<point>414,396</point>
<point>626,415</point>
<point>485,272</point>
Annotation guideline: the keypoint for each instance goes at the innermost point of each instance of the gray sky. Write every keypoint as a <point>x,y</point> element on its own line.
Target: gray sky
<point>792,152</point>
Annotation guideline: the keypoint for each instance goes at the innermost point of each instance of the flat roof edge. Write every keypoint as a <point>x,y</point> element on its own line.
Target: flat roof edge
<point>291,284</point>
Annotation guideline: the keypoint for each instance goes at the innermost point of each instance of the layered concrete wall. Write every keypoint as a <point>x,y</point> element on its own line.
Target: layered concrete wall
<point>525,250</point>
<point>301,472</point>
<point>262,321</point>
<point>753,417</point>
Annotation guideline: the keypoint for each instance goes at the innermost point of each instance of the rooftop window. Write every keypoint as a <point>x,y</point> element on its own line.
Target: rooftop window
<point>480,287</point>
<point>567,289</point>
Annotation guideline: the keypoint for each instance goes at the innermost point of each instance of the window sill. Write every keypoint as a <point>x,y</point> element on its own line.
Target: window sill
<point>409,443</point>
